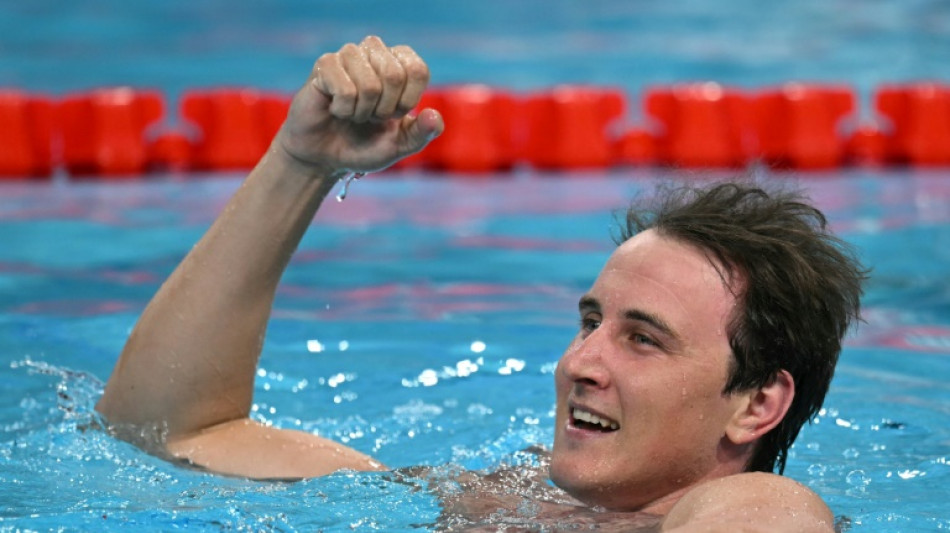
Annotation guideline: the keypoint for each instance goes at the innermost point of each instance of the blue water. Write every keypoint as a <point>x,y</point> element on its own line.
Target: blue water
<point>421,319</point>
<point>427,335</point>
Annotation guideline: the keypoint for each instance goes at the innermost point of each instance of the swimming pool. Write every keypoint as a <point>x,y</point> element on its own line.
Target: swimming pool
<point>427,336</point>
<point>422,318</point>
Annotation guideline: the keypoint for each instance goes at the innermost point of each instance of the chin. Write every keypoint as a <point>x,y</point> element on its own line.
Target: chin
<point>573,478</point>
<point>583,483</point>
<point>586,492</point>
<point>559,472</point>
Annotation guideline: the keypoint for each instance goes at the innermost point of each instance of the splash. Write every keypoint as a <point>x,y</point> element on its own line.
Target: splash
<point>76,391</point>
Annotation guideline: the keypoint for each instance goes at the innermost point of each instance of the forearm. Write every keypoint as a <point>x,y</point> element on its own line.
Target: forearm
<point>191,359</point>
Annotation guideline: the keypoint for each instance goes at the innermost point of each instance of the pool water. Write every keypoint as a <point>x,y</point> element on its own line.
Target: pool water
<point>420,322</point>
<point>421,319</point>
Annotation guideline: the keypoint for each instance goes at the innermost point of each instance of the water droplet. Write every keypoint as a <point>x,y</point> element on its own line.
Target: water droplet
<point>349,178</point>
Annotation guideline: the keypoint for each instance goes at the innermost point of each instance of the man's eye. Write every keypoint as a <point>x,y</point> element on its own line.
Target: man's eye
<point>589,324</point>
<point>643,339</point>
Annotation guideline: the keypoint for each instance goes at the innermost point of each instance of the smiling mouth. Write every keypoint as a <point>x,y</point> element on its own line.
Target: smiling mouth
<point>586,420</point>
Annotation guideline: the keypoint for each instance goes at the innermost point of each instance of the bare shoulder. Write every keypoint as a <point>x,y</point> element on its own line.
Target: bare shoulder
<point>753,501</point>
<point>247,448</point>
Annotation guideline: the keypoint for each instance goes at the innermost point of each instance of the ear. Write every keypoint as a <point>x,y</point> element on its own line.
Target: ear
<point>761,409</point>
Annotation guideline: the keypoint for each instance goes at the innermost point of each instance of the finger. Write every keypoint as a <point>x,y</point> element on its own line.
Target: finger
<point>390,73</point>
<point>330,78</point>
<point>418,131</point>
<point>417,78</point>
<point>368,86</point>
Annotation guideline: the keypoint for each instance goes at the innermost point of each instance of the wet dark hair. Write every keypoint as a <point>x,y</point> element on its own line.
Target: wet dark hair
<point>798,286</point>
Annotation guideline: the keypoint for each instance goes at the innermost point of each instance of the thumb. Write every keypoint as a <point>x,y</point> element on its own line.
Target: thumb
<point>419,130</point>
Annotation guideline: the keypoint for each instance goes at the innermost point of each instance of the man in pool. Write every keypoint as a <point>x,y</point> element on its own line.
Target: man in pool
<point>705,343</point>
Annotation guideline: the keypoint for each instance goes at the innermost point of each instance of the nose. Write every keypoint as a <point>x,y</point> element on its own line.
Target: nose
<point>583,363</point>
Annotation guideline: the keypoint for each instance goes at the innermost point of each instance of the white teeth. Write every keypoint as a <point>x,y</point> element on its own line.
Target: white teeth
<point>591,418</point>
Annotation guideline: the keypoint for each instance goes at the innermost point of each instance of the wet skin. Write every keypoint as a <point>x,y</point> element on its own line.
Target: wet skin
<point>651,359</point>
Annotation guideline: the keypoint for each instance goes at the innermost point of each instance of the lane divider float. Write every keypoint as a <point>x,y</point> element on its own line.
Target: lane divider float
<point>121,132</point>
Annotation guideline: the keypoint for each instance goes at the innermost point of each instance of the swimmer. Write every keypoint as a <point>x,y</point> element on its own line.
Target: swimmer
<point>705,343</point>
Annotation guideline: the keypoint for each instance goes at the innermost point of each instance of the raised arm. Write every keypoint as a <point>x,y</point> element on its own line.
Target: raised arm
<point>187,369</point>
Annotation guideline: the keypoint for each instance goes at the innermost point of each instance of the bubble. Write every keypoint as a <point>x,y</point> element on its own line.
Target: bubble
<point>858,479</point>
<point>477,409</point>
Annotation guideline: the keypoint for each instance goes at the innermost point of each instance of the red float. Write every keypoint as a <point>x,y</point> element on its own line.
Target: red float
<point>919,116</point>
<point>236,125</point>
<point>703,125</point>
<point>798,126</point>
<point>569,127</point>
<point>636,147</point>
<point>170,152</point>
<point>26,135</point>
<point>103,131</point>
<point>480,129</point>
<point>111,131</point>
<point>867,146</point>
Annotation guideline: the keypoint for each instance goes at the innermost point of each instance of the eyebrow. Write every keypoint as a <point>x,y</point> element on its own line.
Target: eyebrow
<point>588,302</point>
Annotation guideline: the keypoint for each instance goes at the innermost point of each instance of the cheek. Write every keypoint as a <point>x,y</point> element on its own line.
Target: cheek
<point>678,395</point>
<point>562,385</point>
<point>707,408</point>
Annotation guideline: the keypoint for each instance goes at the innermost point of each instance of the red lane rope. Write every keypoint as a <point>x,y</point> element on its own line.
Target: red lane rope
<point>125,132</point>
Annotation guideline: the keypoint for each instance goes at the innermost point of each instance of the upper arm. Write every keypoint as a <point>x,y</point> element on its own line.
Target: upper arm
<point>752,501</point>
<point>249,449</point>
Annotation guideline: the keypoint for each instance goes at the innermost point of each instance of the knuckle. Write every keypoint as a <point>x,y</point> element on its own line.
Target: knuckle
<point>373,40</point>
<point>349,49</point>
<point>340,108</point>
<point>324,60</point>
<point>371,88</point>
<point>417,71</point>
<point>393,75</point>
<point>346,95</point>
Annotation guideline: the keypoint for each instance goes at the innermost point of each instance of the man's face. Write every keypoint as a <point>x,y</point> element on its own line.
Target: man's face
<point>641,416</point>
